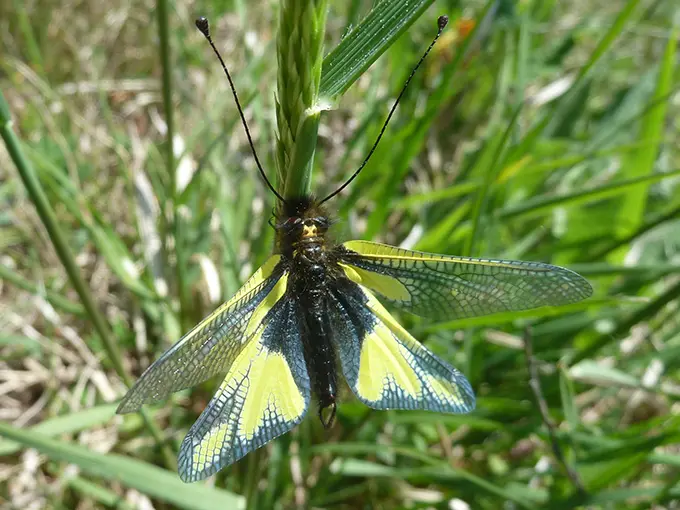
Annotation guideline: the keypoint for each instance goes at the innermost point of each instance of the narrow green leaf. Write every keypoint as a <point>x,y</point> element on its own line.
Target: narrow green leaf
<point>616,29</point>
<point>146,478</point>
<point>568,395</point>
<point>98,493</point>
<point>442,472</point>
<point>641,162</point>
<point>544,204</point>
<point>650,271</point>
<point>500,318</point>
<point>449,420</point>
<point>628,495</point>
<point>366,42</point>
<point>348,448</point>
<point>632,445</point>
<point>604,45</point>
<point>415,200</point>
<point>539,167</point>
<point>597,373</point>
<point>54,298</point>
<point>488,165</point>
<point>66,424</point>
<point>439,233</point>
<point>599,475</point>
<point>623,327</point>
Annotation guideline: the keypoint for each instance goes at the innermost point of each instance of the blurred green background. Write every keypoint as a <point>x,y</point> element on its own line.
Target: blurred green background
<point>536,130</point>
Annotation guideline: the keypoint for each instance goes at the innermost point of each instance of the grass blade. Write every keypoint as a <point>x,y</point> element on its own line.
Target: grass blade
<point>546,203</point>
<point>54,298</point>
<point>363,45</point>
<point>642,161</point>
<point>146,478</point>
<point>66,424</point>
<point>61,246</point>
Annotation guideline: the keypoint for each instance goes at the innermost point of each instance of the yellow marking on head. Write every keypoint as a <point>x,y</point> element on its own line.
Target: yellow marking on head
<point>265,305</point>
<point>309,231</point>
<point>383,359</point>
<point>388,286</point>
<point>445,390</point>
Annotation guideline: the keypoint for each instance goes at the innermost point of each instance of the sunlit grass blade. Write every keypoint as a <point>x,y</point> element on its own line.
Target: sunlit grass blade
<point>646,312</point>
<point>500,318</point>
<point>605,44</point>
<point>63,250</point>
<point>54,298</point>
<point>542,204</point>
<point>66,424</point>
<point>366,42</point>
<point>642,162</point>
<point>149,479</point>
<point>443,473</point>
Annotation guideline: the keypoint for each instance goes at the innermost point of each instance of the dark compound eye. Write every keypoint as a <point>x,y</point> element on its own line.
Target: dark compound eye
<point>292,222</point>
<point>322,222</point>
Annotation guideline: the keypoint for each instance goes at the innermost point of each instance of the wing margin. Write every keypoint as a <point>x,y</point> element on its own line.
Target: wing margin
<point>385,367</point>
<point>447,287</point>
<point>264,395</point>
<point>208,348</point>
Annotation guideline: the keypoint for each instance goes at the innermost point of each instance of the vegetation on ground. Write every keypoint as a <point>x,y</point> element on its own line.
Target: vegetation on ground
<point>536,130</point>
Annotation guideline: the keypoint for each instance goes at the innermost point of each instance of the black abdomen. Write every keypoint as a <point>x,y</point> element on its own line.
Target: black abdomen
<point>309,283</point>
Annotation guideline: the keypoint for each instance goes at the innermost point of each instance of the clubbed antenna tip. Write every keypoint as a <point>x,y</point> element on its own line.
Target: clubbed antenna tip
<point>203,25</point>
<point>442,21</point>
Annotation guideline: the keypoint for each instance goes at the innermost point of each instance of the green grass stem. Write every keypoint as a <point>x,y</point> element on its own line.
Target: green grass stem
<point>61,246</point>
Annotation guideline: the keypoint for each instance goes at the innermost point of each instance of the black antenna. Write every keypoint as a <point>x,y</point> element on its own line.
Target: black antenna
<point>204,27</point>
<point>441,23</point>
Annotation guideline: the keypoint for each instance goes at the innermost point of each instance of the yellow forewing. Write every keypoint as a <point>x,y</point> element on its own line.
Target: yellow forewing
<point>446,287</point>
<point>265,393</point>
<point>210,347</point>
<point>265,305</point>
<point>388,286</point>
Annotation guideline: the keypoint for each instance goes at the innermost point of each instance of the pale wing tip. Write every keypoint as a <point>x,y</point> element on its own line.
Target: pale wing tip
<point>185,465</point>
<point>581,288</point>
<point>126,406</point>
<point>468,399</point>
<point>586,288</point>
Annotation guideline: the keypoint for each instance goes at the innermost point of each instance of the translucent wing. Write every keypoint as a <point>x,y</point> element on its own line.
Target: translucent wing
<point>265,394</point>
<point>445,287</point>
<point>212,345</point>
<point>384,365</point>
